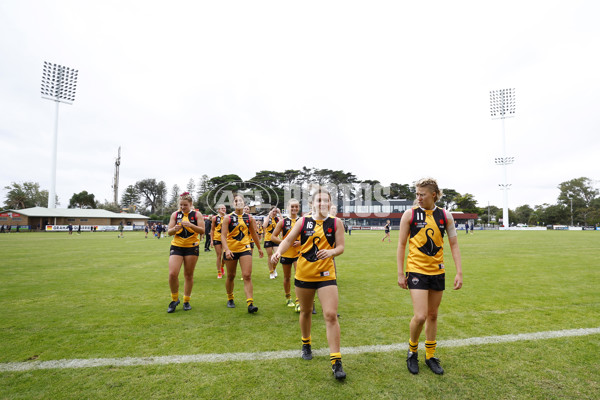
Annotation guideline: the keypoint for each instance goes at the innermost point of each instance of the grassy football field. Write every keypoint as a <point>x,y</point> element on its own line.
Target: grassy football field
<point>93,296</point>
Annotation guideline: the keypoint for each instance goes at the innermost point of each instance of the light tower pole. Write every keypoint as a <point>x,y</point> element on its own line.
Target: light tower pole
<point>58,84</point>
<point>502,106</point>
<point>571,198</point>
<point>116,178</point>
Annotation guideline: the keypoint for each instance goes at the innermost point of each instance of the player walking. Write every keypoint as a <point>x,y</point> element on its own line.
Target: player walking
<point>269,224</point>
<point>290,257</point>
<point>236,230</point>
<point>424,227</point>
<point>185,225</point>
<point>321,239</point>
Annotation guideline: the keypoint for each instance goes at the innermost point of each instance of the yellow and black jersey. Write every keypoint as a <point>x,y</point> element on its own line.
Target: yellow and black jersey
<point>238,238</point>
<point>316,235</point>
<point>426,242</point>
<point>261,230</point>
<point>218,224</point>
<point>186,237</point>
<point>271,227</point>
<point>288,224</point>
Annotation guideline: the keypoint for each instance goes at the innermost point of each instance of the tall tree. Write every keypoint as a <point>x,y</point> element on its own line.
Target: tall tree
<point>219,190</point>
<point>523,214</point>
<point>322,176</point>
<point>270,187</point>
<point>581,193</point>
<point>174,201</point>
<point>292,176</point>
<point>306,176</point>
<point>365,190</point>
<point>203,185</point>
<point>466,203</point>
<point>402,191</point>
<point>153,193</point>
<point>191,186</point>
<point>26,195</point>
<point>449,197</point>
<point>82,200</point>
<point>130,197</point>
<point>552,214</point>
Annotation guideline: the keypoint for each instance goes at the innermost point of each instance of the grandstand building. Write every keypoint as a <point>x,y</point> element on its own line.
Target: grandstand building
<point>40,218</point>
<point>376,214</point>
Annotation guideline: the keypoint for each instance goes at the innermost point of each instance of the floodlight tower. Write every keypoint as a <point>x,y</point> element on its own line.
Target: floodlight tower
<point>58,84</point>
<point>502,106</point>
<point>116,178</point>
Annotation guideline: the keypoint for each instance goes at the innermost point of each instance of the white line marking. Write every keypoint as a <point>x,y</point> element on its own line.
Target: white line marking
<point>270,355</point>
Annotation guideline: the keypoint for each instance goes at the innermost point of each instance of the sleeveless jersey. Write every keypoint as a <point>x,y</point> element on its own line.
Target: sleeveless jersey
<point>218,225</point>
<point>316,235</point>
<point>238,238</point>
<point>271,227</point>
<point>288,224</point>
<point>426,242</point>
<point>186,237</point>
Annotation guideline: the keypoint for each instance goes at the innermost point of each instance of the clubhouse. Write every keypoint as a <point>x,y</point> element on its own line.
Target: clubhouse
<point>41,218</point>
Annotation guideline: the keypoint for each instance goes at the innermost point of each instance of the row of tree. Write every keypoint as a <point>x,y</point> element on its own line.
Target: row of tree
<point>578,200</point>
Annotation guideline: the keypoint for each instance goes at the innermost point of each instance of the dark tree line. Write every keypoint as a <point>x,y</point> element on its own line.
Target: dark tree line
<point>578,200</point>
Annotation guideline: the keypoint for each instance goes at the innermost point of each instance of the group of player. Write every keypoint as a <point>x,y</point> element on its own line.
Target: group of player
<point>310,243</point>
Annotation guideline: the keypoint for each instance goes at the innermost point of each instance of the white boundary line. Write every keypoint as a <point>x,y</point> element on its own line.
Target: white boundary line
<point>270,355</point>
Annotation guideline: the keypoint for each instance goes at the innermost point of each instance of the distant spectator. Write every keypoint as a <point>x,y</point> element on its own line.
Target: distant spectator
<point>207,226</point>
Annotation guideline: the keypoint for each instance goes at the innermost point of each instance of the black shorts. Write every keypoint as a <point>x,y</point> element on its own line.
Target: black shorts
<point>314,285</point>
<point>185,251</point>
<point>288,260</point>
<point>236,256</point>
<point>252,245</point>
<point>216,242</point>
<point>268,243</point>
<point>425,282</point>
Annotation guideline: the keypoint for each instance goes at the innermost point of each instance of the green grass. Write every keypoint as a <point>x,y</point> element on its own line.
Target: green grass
<point>96,296</point>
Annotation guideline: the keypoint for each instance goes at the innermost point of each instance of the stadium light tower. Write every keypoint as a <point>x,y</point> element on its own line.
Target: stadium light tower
<point>502,106</point>
<point>58,84</point>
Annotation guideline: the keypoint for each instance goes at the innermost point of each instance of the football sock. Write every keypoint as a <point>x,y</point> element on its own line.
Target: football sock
<point>186,299</point>
<point>306,340</point>
<point>175,296</point>
<point>413,347</point>
<point>430,346</point>
<point>229,296</point>
<point>333,357</point>
<point>249,301</point>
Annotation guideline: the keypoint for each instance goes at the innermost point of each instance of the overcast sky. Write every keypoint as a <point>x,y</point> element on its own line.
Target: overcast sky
<point>387,90</point>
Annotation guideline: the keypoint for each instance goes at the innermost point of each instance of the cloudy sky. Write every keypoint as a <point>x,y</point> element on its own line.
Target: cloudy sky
<point>388,90</point>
